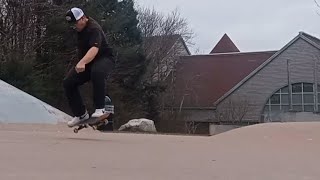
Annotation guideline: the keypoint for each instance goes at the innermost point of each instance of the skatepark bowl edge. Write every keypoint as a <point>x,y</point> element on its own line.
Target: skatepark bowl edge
<point>273,151</point>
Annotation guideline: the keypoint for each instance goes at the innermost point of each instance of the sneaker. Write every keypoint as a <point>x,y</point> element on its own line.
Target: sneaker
<point>77,120</point>
<point>98,113</point>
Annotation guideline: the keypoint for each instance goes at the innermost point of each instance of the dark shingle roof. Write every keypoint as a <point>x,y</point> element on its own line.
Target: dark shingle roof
<point>225,45</point>
<point>202,79</point>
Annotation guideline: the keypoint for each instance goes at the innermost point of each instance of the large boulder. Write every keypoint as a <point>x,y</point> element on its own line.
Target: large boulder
<point>139,125</point>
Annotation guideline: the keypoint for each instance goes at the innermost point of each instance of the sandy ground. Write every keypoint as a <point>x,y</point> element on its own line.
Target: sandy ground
<point>262,152</point>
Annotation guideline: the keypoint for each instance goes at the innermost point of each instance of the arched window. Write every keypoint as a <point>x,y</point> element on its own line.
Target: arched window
<point>302,99</point>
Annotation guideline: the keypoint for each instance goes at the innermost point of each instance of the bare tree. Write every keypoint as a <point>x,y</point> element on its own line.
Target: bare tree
<point>153,23</point>
<point>191,126</point>
<point>21,28</point>
<point>318,5</point>
<point>165,39</point>
<point>189,90</point>
<point>175,102</point>
<point>233,110</point>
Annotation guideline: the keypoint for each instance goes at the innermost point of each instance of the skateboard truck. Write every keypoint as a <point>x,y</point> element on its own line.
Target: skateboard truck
<point>94,125</point>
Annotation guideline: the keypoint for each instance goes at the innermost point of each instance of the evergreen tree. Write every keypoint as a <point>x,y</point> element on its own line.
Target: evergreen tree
<point>40,70</point>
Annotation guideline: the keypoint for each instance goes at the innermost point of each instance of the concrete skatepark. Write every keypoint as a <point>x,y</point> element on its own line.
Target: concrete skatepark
<point>288,151</point>
<point>35,144</point>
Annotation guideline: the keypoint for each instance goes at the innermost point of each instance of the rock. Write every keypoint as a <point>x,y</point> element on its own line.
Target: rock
<point>139,125</point>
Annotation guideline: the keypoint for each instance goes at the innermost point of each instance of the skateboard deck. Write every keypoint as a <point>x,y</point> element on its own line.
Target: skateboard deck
<point>93,122</point>
<point>97,122</point>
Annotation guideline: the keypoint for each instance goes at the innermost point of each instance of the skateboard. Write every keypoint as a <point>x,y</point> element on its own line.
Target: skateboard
<point>92,122</point>
<point>96,122</point>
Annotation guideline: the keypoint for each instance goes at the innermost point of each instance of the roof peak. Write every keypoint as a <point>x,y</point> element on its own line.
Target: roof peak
<point>235,53</point>
<point>312,39</point>
<point>225,45</point>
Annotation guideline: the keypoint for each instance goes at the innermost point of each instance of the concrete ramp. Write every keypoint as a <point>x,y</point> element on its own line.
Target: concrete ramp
<point>263,152</point>
<point>17,106</point>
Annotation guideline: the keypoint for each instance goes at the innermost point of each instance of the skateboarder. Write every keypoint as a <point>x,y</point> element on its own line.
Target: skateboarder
<point>95,64</point>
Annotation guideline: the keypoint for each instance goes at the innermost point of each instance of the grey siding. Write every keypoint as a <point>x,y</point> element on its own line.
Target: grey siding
<point>182,50</point>
<point>273,76</point>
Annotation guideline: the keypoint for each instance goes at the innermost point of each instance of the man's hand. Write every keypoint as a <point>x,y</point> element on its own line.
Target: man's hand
<point>80,67</point>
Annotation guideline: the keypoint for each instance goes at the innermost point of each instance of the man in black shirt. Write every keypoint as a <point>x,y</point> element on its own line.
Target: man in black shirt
<point>95,64</point>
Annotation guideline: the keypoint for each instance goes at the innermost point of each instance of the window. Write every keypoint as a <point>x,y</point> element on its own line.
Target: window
<point>308,87</point>
<point>296,98</point>
<point>309,108</point>
<point>285,90</point>
<point>297,88</point>
<point>297,108</point>
<point>285,108</point>
<point>285,98</point>
<point>275,108</point>
<point>308,99</point>
<point>303,99</point>
<point>275,99</point>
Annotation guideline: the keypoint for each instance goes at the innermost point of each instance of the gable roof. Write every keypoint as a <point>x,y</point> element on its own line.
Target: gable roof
<point>310,39</point>
<point>225,45</point>
<point>203,79</point>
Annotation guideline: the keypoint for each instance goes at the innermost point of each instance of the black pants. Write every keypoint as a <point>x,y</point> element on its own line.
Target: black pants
<point>97,71</point>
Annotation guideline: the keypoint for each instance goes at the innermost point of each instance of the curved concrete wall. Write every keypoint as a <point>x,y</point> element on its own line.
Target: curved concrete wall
<point>17,106</point>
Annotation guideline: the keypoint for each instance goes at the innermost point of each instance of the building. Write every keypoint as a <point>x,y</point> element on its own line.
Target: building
<point>228,88</point>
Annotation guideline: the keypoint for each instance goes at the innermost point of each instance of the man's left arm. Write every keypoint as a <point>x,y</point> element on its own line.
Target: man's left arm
<point>91,54</point>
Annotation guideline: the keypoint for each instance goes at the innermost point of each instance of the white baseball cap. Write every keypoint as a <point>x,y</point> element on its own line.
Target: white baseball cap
<point>74,14</point>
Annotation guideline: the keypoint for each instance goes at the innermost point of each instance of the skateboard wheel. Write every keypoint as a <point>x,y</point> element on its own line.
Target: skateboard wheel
<point>75,130</point>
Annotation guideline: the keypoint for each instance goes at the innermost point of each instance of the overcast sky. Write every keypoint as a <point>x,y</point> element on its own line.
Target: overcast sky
<point>253,25</point>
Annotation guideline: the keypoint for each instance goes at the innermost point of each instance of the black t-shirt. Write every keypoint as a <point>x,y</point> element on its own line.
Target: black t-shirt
<point>93,35</point>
